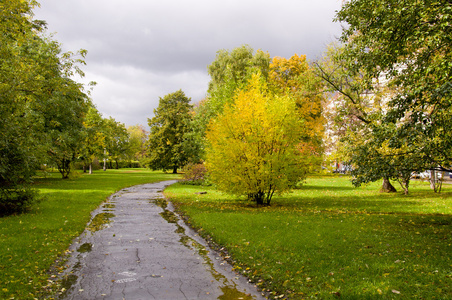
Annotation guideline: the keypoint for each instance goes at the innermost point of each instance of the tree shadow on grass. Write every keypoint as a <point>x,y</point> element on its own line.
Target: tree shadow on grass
<point>341,199</point>
<point>46,181</point>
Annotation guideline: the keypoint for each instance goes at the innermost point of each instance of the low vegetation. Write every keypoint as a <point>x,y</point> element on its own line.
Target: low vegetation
<point>327,239</point>
<point>31,242</point>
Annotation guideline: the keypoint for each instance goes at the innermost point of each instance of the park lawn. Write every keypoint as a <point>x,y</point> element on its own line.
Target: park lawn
<point>327,239</point>
<point>31,242</point>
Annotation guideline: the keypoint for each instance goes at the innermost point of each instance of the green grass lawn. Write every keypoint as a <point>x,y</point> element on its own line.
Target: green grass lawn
<point>31,242</point>
<point>328,240</point>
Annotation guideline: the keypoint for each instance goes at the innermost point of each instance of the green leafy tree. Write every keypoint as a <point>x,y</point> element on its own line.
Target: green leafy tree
<point>357,107</point>
<point>33,74</point>
<point>18,159</point>
<point>235,65</point>
<point>254,145</point>
<point>168,127</point>
<point>229,71</point>
<point>381,151</point>
<point>138,137</point>
<point>408,44</point>
<point>94,145</point>
<point>116,140</point>
<point>64,113</point>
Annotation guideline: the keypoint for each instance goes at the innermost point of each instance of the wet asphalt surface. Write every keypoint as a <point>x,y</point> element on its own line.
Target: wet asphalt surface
<point>136,247</point>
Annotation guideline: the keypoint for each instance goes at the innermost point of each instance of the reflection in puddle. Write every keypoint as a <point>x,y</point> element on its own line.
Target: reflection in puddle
<point>109,205</point>
<point>100,221</point>
<point>230,293</point>
<point>68,281</point>
<point>86,247</point>
<point>161,202</point>
<point>229,290</point>
<point>169,216</point>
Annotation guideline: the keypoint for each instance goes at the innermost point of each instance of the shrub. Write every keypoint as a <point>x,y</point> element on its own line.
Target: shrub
<point>253,147</point>
<point>17,200</point>
<point>195,174</point>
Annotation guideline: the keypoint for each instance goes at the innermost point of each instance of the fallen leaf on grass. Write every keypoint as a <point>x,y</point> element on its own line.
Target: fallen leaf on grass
<point>395,292</point>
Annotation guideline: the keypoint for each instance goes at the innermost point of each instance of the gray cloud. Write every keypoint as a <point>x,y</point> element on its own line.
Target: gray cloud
<point>140,50</point>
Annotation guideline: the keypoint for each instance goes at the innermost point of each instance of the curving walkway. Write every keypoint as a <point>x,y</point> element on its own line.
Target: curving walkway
<point>136,247</point>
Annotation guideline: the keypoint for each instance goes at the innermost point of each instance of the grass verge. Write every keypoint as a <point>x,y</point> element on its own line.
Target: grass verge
<point>31,242</point>
<point>328,240</point>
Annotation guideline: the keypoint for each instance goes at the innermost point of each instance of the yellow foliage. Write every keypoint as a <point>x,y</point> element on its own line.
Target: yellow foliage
<point>285,72</point>
<point>253,144</point>
<point>295,78</point>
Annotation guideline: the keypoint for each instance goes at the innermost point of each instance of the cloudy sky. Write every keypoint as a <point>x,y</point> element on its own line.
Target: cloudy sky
<point>141,50</point>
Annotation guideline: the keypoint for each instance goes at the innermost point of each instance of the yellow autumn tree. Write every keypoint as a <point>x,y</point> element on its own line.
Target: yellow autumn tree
<point>294,78</point>
<point>253,147</point>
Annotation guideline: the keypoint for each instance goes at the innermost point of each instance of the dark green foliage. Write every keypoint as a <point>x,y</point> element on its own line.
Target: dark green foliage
<point>130,164</point>
<point>18,155</point>
<point>168,127</point>
<point>408,45</point>
<point>63,116</point>
<point>116,140</point>
<point>41,108</point>
<point>17,200</point>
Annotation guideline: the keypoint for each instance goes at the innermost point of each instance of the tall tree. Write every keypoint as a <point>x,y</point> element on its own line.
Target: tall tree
<point>296,79</point>
<point>18,158</point>
<point>228,72</point>
<point>138,137</point>
<point>231,71</point>
<point>64,113</point>
<point>409,44</point>
<point>94,132</point>
<point>236,66</point>
<point>254,144</point>
<point>357,106</point>
<point>33,73</point>
<point>116,140</point>
<point>168,127</point>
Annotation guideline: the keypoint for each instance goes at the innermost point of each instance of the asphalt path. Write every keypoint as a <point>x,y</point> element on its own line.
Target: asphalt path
<point>136,247</point>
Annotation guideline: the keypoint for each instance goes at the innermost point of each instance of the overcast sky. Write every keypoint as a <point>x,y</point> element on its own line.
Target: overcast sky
<point>141,50</point>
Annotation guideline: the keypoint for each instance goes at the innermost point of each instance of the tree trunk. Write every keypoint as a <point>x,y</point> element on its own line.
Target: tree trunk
<point>90,168</point>
<point>433,180</point>
<point>257,197</point>
<point>65,169</point>
<point>387,187</point>
<point>174,170</point>
<point>405,191</point>
<point>407,184</point>
<point>117,164</point>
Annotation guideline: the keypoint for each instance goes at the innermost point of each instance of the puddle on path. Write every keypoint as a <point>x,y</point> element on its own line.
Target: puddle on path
<point>86,247</point>
<point>68,280</point>
<point>66,283</point>
<point>109,205</point>
<point>100,221</point>
<point>229,289</point>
